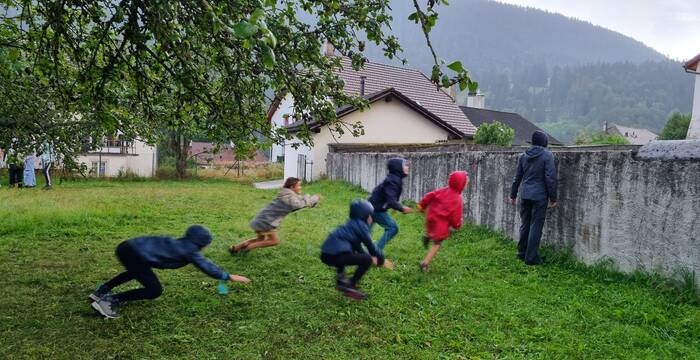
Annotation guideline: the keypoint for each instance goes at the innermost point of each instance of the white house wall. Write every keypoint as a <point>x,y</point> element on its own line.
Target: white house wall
<point>286,106</point>
<point>142,162</point>
<point>694,128</point>
<point>384,123</point>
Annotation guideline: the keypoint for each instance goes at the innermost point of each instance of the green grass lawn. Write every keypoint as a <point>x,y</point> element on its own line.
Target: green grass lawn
<point>476,302</point>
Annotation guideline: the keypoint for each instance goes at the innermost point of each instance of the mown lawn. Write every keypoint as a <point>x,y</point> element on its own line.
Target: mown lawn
<point>477,301</point>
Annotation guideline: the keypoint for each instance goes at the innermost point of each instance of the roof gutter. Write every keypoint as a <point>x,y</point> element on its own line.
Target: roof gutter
<point>691,71</point>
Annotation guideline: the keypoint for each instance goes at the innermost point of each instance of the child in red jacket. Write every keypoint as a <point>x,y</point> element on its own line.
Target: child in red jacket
<point>444,207</point>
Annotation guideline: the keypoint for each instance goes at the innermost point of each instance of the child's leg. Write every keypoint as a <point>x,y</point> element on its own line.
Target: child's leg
<point>135,269</point>
<point>363,262</point>
<point>431,253</point>
<point>263,240</point>
<point>151,287</point>
<point>385,220</point>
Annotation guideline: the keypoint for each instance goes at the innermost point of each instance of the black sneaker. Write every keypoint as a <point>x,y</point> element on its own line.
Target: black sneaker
<point>341,282</point>
<point>423,267</point>
<point>107,307</point>
<point>521,257</point>
<point>537,261</point>
<point>99,293</point>
<point>353,292</point>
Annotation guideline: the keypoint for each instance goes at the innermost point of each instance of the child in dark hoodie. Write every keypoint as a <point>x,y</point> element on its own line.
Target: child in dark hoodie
<point>343,247</point>
<point>386,196</point>
<point>536,177</point>
<point>140,255</point>
<point>444,207</point>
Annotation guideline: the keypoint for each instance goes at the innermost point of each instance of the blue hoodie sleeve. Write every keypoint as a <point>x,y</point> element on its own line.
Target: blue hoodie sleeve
<point>392,194</point>
<point>366,239</point>
<point>517,179</point>
<point>550,176</point>
<point>207,267</point>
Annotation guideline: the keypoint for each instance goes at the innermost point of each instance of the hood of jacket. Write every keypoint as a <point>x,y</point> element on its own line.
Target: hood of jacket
<point>198,235</point>
<point>458,180</point>
<point>361,210</point>
<point>395,167</point>
<point>539,138</point>
<point>533,153</point>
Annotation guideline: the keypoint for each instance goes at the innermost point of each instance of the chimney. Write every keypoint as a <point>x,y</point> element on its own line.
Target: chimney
<point>476,100</point>
<point>362,85</point>
<point>453,92</point>
<point>328,49</point>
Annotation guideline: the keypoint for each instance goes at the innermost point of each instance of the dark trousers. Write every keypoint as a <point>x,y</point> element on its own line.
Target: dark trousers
<point>47,173</point>
<point>15,174</point>
<point>532,215</point>
<point>340,261</point>
<point>136,269</point>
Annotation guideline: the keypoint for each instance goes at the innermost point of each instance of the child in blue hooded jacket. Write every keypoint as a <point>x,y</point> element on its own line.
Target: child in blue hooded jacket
<point>343,247</point>
<point>386,196</point>
<point>140,255</point>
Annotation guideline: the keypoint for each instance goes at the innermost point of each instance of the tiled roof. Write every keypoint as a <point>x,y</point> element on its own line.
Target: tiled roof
<point>523,128</point>
<point>633,135</point>
<point>409,82</point>
<point>384,94</point>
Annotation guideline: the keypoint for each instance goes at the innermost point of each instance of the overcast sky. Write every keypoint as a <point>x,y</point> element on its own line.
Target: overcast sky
<point>672,27</point>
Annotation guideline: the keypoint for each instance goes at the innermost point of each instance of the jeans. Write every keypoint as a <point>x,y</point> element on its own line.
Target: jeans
<point>388,224</point>
<point>340,261</point>
<point>532,215</point>
<point>136,269</point>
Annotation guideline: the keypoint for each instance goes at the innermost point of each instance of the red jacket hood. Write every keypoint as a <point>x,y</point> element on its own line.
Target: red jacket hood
<point>458,180</point>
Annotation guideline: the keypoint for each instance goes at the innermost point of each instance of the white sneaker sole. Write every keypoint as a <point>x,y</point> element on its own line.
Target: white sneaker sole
<point>93,297</point>
<point>98,308</point>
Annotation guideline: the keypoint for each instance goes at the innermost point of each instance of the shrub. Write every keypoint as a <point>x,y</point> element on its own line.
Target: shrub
<point>676,127</point>
<point>494,133</point>
<point>601,139</point>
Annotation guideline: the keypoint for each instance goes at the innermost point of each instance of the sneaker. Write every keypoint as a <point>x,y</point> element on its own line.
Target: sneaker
<point>537,261</point>
<point>107,307</point>
<point>426,241</point>
<point>99,293</point>
<point>352,292</point>
<point>233,250</point>
<point>341,282</point>
<point>423,267</point>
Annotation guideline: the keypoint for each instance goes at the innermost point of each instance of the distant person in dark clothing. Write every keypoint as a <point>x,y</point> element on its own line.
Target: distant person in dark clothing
<point>142,254</point>
<point>538,176</point>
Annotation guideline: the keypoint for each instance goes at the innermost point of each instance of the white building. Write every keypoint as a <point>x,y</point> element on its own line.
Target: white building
<point>119,156</point>
<point>693,67</point>
<point>635,136</point>
<point>405,108</point>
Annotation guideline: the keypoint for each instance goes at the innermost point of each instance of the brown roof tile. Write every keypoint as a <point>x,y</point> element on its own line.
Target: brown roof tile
<point>409,82</point>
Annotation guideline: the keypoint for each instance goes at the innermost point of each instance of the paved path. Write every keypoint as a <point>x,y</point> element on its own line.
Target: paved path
<point>274,184</point>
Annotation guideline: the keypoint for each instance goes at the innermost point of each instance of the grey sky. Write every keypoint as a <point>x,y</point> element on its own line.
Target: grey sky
<point>672,27</point>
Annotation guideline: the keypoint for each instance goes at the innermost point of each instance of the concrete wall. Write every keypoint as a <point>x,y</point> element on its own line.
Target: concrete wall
<point>641,214</point>
<point>384,122</point>
<point>694,128</point>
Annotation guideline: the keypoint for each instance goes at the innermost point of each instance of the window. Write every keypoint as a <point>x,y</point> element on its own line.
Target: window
<point>102,169</point>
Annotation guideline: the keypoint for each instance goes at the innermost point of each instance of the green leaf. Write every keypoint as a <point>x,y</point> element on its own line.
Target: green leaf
<point>244,29</point>
<point>413,17</point>
<point>456,66</point>
<point>270,3</point>
<point>268,57</point>
<point>13,54</point>
<point>257,14</point>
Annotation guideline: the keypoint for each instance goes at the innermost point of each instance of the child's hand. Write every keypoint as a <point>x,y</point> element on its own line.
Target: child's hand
<point>388,264</point>
<point>374,260</point>
<point>407,210</point>
<point>238,278</point>
<point>420,208</point>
